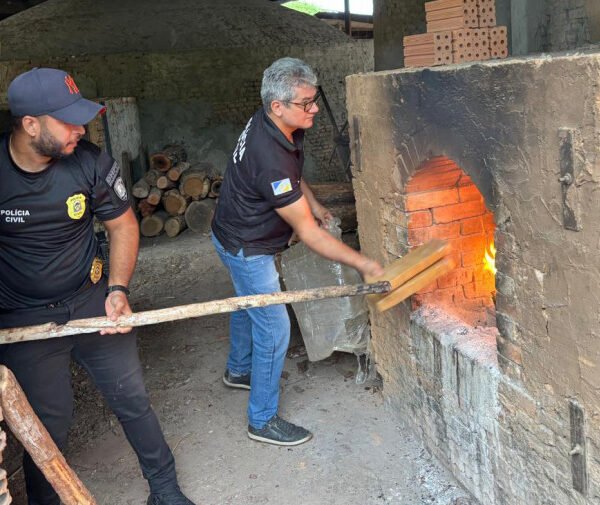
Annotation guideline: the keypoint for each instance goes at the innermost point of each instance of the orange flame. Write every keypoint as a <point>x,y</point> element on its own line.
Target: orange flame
<point>489,261</point>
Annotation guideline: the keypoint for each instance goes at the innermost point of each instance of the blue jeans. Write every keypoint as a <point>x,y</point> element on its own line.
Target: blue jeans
<point>258,337</point>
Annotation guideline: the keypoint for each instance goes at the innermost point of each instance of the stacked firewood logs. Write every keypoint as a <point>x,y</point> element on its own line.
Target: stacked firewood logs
<point>458,31</point>
<point>174,194</point>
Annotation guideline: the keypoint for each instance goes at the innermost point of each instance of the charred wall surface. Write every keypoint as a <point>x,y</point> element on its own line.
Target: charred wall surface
<point>512,409</point>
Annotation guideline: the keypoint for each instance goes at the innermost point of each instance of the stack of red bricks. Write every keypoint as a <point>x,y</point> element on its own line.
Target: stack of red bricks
<point>458,31</point>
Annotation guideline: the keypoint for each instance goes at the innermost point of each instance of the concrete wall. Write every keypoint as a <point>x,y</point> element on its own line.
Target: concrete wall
<point>524,429</point>
<point>392,20</point>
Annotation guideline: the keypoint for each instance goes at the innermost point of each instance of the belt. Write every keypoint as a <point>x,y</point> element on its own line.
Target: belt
<point>53,305</point>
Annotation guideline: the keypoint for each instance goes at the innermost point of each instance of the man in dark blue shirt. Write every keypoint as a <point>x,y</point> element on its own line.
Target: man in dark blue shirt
<point>263,200</point>
<point>53,184</point>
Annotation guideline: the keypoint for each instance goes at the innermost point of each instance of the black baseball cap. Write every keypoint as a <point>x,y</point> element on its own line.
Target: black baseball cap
<point>52,92</point>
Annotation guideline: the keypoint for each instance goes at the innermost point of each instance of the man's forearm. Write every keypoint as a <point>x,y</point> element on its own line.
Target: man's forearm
<point>124,244</point>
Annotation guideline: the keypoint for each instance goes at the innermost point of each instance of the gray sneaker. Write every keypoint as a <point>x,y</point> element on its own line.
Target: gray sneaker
<point>236,381</point>
<point>278,431</point>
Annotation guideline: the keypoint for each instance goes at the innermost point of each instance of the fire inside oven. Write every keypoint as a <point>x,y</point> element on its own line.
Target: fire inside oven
<point>441,201</point>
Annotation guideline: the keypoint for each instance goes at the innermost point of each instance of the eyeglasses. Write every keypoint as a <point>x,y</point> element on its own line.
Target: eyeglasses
<point>307,106</point>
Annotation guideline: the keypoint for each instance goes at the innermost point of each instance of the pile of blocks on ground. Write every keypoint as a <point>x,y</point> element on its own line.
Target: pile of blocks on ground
<point>458,31</point>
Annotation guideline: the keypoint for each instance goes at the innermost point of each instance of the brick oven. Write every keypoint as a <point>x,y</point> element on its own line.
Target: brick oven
<point>497,364</point>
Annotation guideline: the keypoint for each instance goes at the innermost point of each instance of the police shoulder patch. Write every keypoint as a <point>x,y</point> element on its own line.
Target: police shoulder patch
<point>76,206</point>
<point>119,188</point>
<point>112,174</point>
<point>281,187</point>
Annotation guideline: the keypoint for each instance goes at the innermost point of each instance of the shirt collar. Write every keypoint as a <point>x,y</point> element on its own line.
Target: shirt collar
<point>278,135</point>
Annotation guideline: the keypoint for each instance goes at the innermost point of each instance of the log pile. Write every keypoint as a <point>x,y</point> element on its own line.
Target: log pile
<point>174,194</point>
<point>458,31</point>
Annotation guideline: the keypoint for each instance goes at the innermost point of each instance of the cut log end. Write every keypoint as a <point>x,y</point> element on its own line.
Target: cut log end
<point>198,215</point>
<point>153,225</point>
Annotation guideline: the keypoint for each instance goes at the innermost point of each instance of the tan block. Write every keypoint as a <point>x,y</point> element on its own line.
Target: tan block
<point>418,50</point>
<point>419,61</point>
<point>418,39</point>
<point>443,4</point>
<point>436,52</point>
<point>470,45</point>
<point>444,14</point>
<point>487,14</point>
<point>498,42</point>
<point>446,24</point>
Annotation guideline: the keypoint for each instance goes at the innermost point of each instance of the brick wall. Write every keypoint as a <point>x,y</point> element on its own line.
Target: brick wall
<point>442,202</point>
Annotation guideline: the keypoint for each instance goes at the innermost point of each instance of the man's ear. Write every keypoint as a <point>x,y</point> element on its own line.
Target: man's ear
<point>276,107</point>
<point>31,125</point>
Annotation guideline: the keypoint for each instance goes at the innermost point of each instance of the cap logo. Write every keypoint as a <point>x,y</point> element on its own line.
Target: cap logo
<point>73,89</point>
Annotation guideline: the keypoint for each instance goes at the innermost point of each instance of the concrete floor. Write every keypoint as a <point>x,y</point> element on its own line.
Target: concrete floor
<point>360,454</point>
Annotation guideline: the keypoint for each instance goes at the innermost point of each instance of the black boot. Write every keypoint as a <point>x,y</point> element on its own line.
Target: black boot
<point>175,497</point>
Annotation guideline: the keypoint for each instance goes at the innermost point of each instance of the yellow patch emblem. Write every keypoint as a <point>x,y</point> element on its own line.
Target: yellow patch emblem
<point>76,206</point>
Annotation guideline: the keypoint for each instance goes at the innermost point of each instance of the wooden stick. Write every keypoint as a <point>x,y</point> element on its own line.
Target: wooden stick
<point>91,325</point>
<point>36,440</point>
<point>418,282</point>
<point>418,259</point>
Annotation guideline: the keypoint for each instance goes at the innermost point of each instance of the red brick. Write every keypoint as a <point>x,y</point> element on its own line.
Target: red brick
<point>431,199</point>
<point>434,181</point>
<point>418,236</point>
<point>436,163</point>
<point>420,219</point>
<point>471,258</point>
<point>468,193</point>
<point>489,223</point>
<point>474,243</point>
<point>465,180</point>
<point>437,169</point>
<point>457,277</point>
<point>471,226</point>
<point>445,296</point>
<point>475,290</point>
<point>458,211</point>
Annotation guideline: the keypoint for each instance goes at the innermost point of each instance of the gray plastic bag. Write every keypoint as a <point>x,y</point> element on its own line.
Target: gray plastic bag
<point>338,324</point>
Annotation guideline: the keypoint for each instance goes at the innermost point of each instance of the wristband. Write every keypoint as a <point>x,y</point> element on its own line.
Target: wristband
<point>117,287</point>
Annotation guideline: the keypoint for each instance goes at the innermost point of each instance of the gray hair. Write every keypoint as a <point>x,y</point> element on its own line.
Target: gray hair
<point>282,78</point>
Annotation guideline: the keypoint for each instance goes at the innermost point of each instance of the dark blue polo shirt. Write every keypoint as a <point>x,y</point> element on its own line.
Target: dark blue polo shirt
<point>47,240</point>
<point>263,174</point>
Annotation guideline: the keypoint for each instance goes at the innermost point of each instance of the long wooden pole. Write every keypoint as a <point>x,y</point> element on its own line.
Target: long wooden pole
<point>93,324</point>
<point>36,440</point>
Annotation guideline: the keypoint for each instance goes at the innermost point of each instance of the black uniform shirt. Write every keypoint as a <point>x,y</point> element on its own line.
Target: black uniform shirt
<point>263,174</point>
<point>47,240</point>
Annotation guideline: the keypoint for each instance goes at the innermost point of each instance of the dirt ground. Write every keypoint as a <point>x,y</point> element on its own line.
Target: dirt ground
<point>360,454</point>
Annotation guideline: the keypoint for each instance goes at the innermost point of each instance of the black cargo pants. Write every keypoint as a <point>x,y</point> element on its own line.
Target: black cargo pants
<point>43,370</point>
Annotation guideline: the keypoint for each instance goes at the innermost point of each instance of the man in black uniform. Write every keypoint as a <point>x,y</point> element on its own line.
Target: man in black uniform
<point>52,185</point>
<point>262,200</point>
